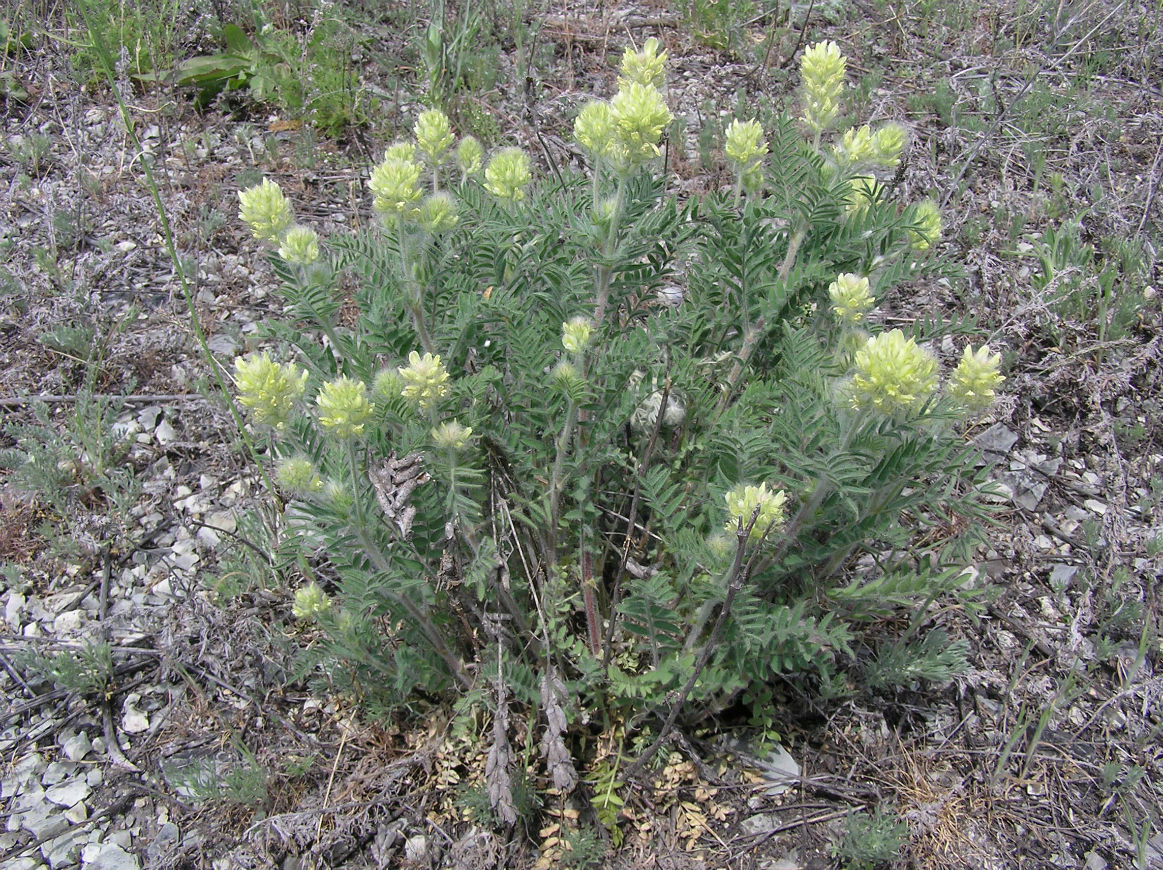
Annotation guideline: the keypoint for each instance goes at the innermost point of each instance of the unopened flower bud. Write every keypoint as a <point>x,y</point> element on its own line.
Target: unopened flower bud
<point>387,385</point>
<point>566,378</point>
<point>298,476</point>
<point>508,174</point>
<point>975,379</point>
<point>300,246</point>
<point>425,380</point>
<point>438,212</point>
<point>893,374</point>
<point>645,67</point>
<point>862,190</point>
<point>265,210</point>
<point>343,407</point>
<point>267,388</point>
<point>747,503</point>
<point>310,602</point>
<point>470,156</point>
<point>927,218</point>
<point>850,297</point>
<point>433,134</point>
<point>338,496</point>
<point>451,435</point>
<point>822,72</point>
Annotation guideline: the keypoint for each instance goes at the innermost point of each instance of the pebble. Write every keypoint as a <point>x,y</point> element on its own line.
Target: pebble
<point>77,746</point>
<point>56,773</point>
<point>165,433</point>
<point>133,721</point>
<point>69,794</point>
<point>109,856</point>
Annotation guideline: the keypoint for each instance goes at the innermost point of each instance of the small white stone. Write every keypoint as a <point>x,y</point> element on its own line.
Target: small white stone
<point>68,622</point>
<point>111,856</point>
<point>77,746</point>
<point>165,433</point>
<point>68,794</point>
<point>13,609</point>
<point>133,721</point>
<point>77,814</point>
<point>56,773</point>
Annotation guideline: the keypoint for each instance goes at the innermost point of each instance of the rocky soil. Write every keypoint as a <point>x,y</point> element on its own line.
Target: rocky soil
<point>153,716</point>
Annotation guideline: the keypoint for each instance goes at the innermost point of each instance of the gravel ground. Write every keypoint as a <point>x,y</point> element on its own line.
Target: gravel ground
<point>192,743</point>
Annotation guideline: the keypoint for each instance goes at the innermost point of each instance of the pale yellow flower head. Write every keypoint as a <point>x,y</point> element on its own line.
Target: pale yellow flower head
<point>645,67</point>
<point>975,379</point>
<point>857,145</point>
<point>425,380</point>
<point>438,212</point>
<point>744,143</point>
<point>269,390</point>
<point>822,72</point>
<point>928,225</point>
<point>470,156</point>
<point>310,602</point>
<point>403,152</point>
<point>743,503</point>
<point>508,174</point>
<point>893,374</point>
<point>300,246</point>
<point>433,134</point>
<point>594,128</point>
<point>862,190</point>
<point>265,210</point>
<point>575,334</point>
<point>640,115</point>
<point>344,408</point>
<point>395,185</point>
<point>298,476</point>
<point>850,296</point>
<point>888,143</point>
<point>451,435</point>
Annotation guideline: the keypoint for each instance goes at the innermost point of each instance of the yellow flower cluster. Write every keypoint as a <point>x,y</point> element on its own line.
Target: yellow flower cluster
<point>300,246</point>
<point>893,374</point>
<point>310,602</point>
<point>395,185</point>
<point>425,380</point>
<point>451,435</point>
<point>508,174</point>
<point>267,388</point>
<point>433,133</point>
<point>745,147</point>
<point>344,407</point>
<point>626,131</point>
<point>298,475</point>
<point>850,296</point>
<point>822,72</point>
<point>975,379</point>
<point>265,210</point>
<point>575,334</point>
<point>745,503</point>
<point>645,67</point>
